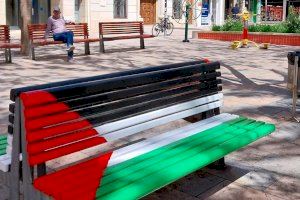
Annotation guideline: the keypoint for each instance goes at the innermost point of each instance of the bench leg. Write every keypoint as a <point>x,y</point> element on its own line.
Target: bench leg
<point>14,186</point>
<point>9,56</point>
<point>142,43</point>
<point>32,53</point>
<point>87,48</point>
<point>101,45</point>
<point>6,55</point>
<point>218,165</point>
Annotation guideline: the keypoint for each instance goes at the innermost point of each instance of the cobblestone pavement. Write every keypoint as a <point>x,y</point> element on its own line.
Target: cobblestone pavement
<point>254,86</point>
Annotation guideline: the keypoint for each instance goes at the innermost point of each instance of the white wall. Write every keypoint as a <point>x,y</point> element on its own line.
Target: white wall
<point>2,12</point>
<point>102,10</point>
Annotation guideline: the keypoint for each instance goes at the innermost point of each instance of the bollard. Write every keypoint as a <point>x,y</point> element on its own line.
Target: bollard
<point>187,11</point>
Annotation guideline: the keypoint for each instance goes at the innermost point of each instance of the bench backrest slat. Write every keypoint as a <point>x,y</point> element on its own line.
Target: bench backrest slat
<point>61,120</point>
<point>37,31</point>
<point>4,33</point>
<point>119,28</point>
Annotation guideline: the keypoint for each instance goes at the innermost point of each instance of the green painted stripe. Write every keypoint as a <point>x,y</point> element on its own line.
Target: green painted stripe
<point>2,152</point>
<point>171,146</point>
<point>180,154</point>
<point>161,176</point>
<point>3,137</point>
<point>3,146</point>
<point>166,152</point>
<point>3,142</point>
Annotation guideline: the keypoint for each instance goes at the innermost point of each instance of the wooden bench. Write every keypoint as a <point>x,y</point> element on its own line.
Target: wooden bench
<point>109,31</point>
<point>5,42</point>
<point>37,36</point>
<point>58,119</point>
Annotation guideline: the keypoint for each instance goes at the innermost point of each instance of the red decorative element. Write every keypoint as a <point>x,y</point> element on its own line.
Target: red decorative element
<point>273,38</point>
<point>52,133</point>
<point>76,182</point>
<point>245,34</point>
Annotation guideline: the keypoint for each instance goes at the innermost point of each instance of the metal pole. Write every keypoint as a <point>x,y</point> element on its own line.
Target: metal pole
<point>295,87</point>
<point>165,17</point>
<point>187,10</point>
<point>266,10</point>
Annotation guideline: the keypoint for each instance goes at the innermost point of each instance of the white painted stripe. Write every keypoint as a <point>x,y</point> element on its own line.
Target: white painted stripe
<point>4,157</point>
<point>9,139</point>
<point>118,125</point>
<point>5,161</point>
<point>8,150</point>
<point>164,136</point>
<point>160,121</point>
<point>164,139</point>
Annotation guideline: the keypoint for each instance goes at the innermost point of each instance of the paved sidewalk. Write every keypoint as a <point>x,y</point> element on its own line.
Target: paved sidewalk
<point>254,86</point>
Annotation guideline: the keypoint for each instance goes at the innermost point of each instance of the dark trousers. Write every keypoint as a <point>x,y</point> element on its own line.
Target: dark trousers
<point>66,37</point>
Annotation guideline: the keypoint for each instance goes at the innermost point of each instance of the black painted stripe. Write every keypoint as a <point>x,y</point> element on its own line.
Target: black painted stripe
<point>134,91</point>
<point>16,91</point>
<point>11,118</point>
<point>12,108</point>
<point>100,86</point>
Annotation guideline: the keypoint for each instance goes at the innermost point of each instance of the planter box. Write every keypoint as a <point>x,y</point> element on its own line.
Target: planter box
<point>273,38</point>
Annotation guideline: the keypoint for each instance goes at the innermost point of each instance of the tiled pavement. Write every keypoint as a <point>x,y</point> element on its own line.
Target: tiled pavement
<point>254,86</point>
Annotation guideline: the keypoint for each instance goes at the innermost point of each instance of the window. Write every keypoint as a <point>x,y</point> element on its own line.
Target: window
<point>120,8</point>
<point>177,9</point>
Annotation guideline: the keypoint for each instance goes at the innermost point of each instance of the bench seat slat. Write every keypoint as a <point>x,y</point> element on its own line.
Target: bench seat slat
<point>96,111</point>
<point>161,121</point>
<point>84,102</point>
<point>126,37</point>
<point>71,91</point>
<point>16,91</point>
<point>142,147</point>
<point>157,176</point>
<point>166,156</point>
<point>64,150</point>
<point>121,124</point>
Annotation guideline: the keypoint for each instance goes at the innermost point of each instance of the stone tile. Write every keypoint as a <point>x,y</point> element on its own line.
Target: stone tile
<point>170,194</point>
<point>259,180</point>
<point>214,190</point>
<point>286,188</point>
<point>197,183</point>
<point>234,191</point>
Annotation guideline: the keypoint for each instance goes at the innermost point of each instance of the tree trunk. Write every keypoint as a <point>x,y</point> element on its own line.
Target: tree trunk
<point>25,8</point>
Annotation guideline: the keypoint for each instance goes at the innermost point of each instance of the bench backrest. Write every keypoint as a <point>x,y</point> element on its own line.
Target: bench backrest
<point>66,117</point>
<point>4,33</point>
<point>37,31</point>
<point>121,28</point>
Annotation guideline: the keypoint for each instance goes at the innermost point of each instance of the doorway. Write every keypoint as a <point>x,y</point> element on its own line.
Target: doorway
<point>40,11</point>
<point>148,11</point>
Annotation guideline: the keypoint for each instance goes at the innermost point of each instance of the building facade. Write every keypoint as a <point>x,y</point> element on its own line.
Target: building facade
<point>203,13</point>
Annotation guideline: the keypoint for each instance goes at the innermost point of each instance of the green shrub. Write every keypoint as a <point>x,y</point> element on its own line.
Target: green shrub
<point>216,28</point>
<point>291,25</point>
<point>232,25</point>
<point>292,22</point>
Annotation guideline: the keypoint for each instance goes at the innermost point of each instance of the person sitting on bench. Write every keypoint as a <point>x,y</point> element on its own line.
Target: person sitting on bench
<point>56,24</point>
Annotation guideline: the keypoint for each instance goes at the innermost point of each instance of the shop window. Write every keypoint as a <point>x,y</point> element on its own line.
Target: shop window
<point>177,9</point>
<point>120,8</point>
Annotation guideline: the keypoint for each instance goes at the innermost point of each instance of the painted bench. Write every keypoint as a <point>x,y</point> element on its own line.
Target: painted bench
<point>110,31</point>
<point>58,119</point>
<point>6,44</point>
<point>37,36</point>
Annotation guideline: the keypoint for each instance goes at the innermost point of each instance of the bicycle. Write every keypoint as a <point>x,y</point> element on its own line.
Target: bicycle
<point>164,26</point>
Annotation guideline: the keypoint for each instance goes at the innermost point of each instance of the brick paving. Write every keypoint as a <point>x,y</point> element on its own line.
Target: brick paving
<point>254,85</point>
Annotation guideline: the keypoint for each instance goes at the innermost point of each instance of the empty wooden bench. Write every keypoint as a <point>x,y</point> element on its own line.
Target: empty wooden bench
<point>6,44</point>
<point>109,31</point>
<point>37,36</point>
<point>57,119</point>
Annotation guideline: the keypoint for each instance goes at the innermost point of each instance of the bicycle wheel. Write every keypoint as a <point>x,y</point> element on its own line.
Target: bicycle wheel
<point>169,28</point>
<point>156,29</point>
